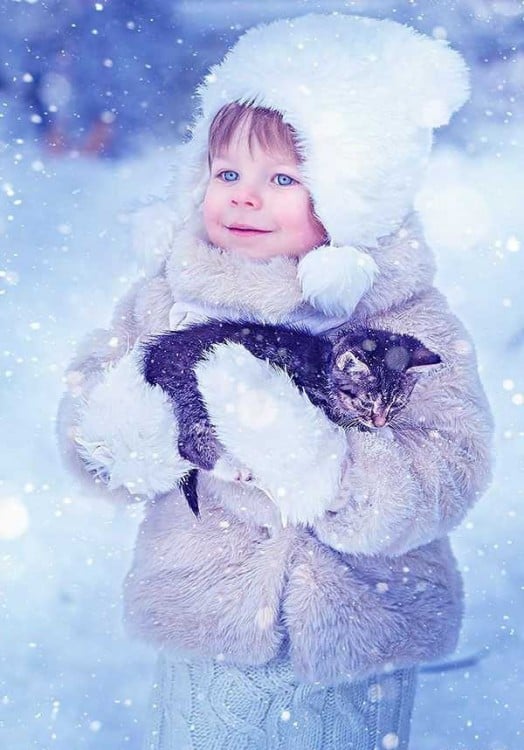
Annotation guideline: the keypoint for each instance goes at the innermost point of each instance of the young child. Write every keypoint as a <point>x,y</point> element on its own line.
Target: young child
<point>293,204</point>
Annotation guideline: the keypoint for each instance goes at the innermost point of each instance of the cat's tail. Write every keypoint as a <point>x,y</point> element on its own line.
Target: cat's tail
<point>467,661</point>
<point>188,485</point>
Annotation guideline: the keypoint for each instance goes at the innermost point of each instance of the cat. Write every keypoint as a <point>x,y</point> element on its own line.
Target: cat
<point>359,378</point>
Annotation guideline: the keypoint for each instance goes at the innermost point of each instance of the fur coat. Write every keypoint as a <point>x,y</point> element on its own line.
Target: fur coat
<point>338,557</point>
<point>363,579</point>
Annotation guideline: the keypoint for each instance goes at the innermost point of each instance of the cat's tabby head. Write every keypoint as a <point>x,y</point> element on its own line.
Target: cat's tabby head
<point>373,373</point>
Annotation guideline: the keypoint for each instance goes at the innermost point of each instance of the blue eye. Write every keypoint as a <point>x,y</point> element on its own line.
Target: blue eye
<point>284,179</point>
<point>229,175</point>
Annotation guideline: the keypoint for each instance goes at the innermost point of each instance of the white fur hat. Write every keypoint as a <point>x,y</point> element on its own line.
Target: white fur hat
<point>362,94</point>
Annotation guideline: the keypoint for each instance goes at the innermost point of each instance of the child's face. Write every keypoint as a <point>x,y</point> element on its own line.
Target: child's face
<point>256,205</point>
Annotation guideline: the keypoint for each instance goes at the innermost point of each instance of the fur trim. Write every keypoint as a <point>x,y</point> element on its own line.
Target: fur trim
<point>252,405</point>
<point>152,306</point>
<point>127,433</point>
<point>333,279</point>
<point>234,284</point>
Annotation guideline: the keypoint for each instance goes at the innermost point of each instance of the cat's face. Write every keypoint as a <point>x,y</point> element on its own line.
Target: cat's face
<point>373,374</point>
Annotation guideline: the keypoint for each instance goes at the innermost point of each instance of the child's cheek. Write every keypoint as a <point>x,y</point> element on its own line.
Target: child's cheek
<point>308,231</point>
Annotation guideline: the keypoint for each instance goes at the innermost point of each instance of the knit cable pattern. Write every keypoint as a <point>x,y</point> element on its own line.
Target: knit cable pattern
<point>202,704</point>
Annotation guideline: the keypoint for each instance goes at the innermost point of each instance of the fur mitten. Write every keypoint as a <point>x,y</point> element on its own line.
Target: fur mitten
<point>292,448</point>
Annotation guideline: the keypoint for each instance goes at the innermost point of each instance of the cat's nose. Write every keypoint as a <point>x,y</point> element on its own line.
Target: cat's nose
<point>379,420</point>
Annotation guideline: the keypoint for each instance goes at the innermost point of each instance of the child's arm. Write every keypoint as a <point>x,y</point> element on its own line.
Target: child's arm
<point>392,492</point>
<point>115,431</point>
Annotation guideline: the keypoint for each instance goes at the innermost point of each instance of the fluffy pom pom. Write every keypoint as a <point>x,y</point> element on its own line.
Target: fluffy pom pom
<point>333,279</point>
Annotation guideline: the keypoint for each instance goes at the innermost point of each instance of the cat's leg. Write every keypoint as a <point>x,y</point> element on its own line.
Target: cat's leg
<point>199,446</point>
<point>197,443</point>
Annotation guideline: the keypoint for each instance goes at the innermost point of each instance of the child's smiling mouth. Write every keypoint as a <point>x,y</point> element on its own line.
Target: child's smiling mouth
<point>247,230</point>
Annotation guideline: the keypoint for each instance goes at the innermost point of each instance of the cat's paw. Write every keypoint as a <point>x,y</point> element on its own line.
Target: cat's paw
<point>230,470</point>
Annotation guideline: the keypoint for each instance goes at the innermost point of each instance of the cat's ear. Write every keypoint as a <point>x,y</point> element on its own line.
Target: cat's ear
<point>347,361</point>
<point>422,361</point>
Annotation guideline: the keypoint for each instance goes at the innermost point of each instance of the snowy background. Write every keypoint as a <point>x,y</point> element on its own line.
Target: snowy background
<point>93,98</point>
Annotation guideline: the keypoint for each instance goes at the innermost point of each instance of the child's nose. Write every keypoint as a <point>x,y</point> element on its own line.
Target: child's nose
<point>244,196</point>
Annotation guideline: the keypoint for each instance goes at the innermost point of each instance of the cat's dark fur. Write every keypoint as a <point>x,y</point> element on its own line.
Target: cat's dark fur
<point>360,378</point>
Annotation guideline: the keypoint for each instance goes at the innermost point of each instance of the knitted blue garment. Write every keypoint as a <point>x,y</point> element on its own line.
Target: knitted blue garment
<point>208,705</point>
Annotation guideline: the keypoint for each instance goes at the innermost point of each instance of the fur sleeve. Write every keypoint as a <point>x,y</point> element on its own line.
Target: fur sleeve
<point>400,493</point>
<point>403,488</point>
<point>115,431</point>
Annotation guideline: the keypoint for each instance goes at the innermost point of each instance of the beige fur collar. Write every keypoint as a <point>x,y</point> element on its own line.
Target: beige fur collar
<point>270,290</point>
<point>199,272</point>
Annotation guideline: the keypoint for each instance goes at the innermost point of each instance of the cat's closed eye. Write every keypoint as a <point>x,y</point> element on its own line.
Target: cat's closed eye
<point>401,399</point>
<point>349,390</point>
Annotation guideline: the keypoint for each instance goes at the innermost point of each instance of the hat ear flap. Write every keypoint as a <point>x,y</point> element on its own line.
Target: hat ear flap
<point>152,231</point>
<point>437,78</point>
<point>192,171</point>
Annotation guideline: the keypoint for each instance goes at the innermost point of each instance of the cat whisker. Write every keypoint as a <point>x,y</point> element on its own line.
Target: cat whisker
<point>352,422</point>
<point>398,420</point>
